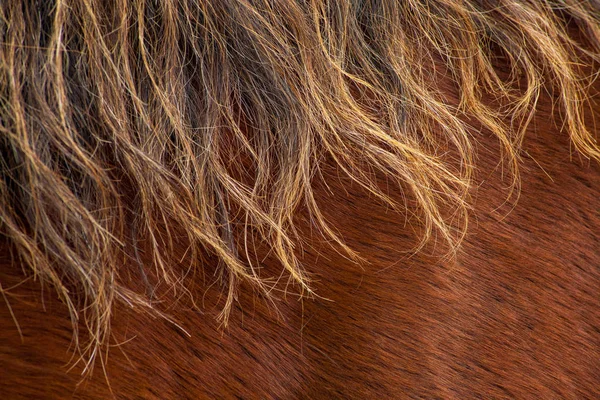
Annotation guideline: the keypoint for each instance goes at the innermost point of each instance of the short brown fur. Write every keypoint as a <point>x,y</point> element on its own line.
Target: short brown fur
<point>149,147</point>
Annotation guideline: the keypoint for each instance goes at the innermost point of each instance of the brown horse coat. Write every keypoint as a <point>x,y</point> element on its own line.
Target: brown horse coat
<point>513,311</point>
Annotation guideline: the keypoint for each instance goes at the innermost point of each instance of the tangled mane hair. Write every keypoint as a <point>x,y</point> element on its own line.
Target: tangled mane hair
<point>206,123</point>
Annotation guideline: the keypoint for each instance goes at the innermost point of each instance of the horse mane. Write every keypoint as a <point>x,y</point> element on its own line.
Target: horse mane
<point>204,125</point>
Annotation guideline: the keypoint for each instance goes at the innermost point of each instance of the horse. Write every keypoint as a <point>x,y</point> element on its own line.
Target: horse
<point>299,199</point>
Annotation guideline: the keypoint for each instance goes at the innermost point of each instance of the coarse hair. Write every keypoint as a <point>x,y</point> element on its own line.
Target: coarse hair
<point>206,122</point>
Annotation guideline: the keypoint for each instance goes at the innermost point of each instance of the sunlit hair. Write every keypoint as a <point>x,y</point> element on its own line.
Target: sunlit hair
<point>207,122</point>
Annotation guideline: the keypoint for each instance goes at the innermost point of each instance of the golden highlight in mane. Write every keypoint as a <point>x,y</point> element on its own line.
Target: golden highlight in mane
<point>205,124</point>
